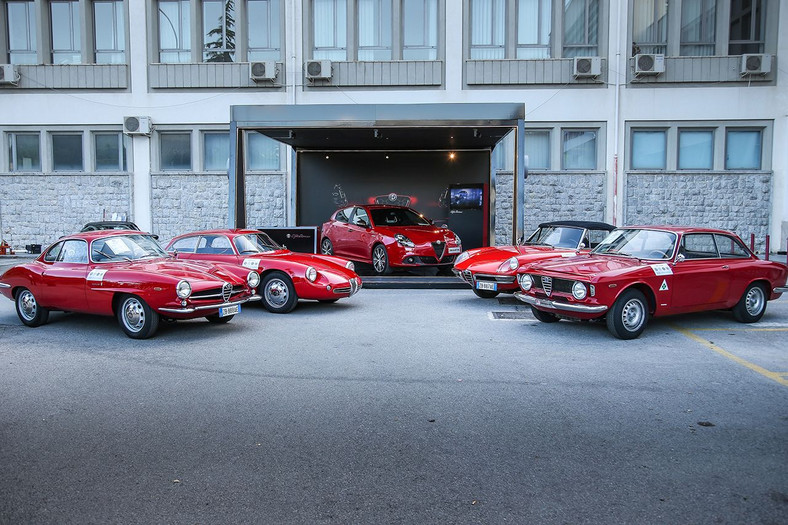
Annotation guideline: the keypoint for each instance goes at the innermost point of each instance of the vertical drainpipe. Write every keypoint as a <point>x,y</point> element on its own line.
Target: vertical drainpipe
<point>518,199</point>
<point>616,133</point>
<point>295,51</point>
<point>232,174</point>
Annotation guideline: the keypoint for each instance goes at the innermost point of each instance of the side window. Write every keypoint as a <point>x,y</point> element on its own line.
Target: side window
<point>215,244</point>
<point>341,216</point>
<point>360,218</point>
<point>186,245</point>
<point>699,246</point>
<point>730,247</point>
<point>595,237</point>
<point>53,252</point>
<point>74,252</point>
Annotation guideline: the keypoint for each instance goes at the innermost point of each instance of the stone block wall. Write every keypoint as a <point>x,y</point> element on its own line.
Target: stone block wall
<point>187,202</point>
<point>38,209</point>
<point>739,202</point>
<point>266,200</point>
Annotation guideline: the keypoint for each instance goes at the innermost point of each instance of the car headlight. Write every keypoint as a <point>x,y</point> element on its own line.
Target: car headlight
<point>183,290</point>
<point>579,290</point>
<point>463,256</point>
<point>404,241</point>
<point>457,239</point>
<point>510,264</point>
<point>350,266</point>
<point>311,274</point>
<point>253,279</point>
<point>526,281</point>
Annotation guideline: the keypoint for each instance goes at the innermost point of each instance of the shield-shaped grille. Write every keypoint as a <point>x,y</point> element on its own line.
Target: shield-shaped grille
<point>227,290</point>
<point>547,284</point>
<point>439,248</point>
<point>468,276</point>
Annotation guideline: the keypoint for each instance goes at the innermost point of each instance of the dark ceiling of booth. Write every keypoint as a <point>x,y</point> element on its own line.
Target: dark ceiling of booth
<point>389,139</point>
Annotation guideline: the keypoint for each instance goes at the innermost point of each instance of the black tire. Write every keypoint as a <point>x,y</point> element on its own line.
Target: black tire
<point>545,317</point>
<point>29,311</point>
<point>136,318</point>
<point>485,294</point>
<point>278,291</point>
<point>380,259</point>
<point>752,304</point>
<point>629,315</point>
<point>219,320</point>
<point>326,248</point>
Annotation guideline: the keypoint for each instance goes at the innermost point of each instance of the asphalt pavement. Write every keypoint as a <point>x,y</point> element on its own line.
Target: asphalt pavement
<point>394,406</point>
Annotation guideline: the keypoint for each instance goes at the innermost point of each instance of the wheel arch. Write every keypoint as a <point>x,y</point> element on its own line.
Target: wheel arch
<point>646,290</point>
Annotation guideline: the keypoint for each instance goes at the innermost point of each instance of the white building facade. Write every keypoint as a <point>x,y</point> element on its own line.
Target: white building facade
<point>637,111</point>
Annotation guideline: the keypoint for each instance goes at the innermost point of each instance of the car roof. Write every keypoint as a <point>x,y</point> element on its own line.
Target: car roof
<point>219,231</point>
<point>590,225</point>
<point>678,229</point>
<point>96,234</point>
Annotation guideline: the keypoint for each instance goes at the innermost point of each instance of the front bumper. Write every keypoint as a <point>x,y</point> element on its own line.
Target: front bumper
<point>555,305</point>
<point>503,282</point>
<point>779,289</point>
<point>187,311</point>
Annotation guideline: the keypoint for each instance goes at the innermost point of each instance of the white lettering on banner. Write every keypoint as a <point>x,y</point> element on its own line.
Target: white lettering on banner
<point>252,264</point>
<point>96,275</point>
<point>662,269</point>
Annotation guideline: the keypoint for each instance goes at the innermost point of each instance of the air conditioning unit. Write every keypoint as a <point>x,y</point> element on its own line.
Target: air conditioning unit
<point>756,64</point>
<point>585,67</point>
<point>649,64</point>
<point>137,125</point>
<point>8,74</point>
<point>263,70</point>
<point>318,69</point>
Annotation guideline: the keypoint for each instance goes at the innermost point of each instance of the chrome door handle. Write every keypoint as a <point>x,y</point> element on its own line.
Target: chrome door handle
<point>725,266</point>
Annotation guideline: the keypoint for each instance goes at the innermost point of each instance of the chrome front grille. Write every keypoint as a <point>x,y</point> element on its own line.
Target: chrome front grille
<point>439,248</point>
<point>355,286</point>
<point>227,291</point>
<point>224,293</point>
<point>467,276</point>
<point>547,284</point>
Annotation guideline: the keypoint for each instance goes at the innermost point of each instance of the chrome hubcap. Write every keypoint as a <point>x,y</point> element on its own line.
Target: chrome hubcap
<point>133,315</point>
<point>28,306</point>
<point>379,259</point>
<point>633,315</point>
<point>326,247</point>
<point>755,301</point>
<point>276,293</point>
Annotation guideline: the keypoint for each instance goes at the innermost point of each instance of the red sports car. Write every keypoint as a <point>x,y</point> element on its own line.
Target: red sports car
<point>128,275</point>
<point>493,269</point>
<point>285,276</point>
<point>641,271</point>
<point>389,237</point>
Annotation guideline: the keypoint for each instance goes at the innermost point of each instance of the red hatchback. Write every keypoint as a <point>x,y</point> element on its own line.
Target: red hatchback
<point>389,237</point>
<point>641,271</point>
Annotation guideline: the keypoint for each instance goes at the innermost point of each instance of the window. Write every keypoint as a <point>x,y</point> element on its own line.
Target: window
<point>110,31</point>
<point>21,20</point>
<point>67,152</point>
<point>696,149</point>
<point>360,217</point>
<point>176,151</point>
<point>533,28</point>
<point>743,149</point>
<point>174,31</point>
<point>186,245</point>
<point>218,22</point>
<point>747,27</point>
<point>579,149</point>
<point>649,150</point>
<point>53,252</point>
<point>263,29</point>
<point>216,151</point>
<point>730,247</point>
<point>488,23</point>
<point>74,252</point>
<point>24,152</point>
<point>110,152</point>
<point>420,29</point>
<point>697,27</point>
<point>699,246</point>
<point>329,26</point>
<point>374,29</point>
<point>66,47</point>
<point>650,25</point>
<point>581,27</point>
<point>262,153</point>
<point>537,149</point>
<point>503,154</point>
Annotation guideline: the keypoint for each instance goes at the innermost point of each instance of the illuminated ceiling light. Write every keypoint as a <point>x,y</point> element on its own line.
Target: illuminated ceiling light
<point>452,155</point>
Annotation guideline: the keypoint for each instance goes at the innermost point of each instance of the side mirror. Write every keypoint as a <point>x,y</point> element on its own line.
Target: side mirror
<point>679,258</point>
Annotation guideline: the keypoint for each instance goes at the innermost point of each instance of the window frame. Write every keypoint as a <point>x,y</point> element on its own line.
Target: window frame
<point>30,54</point>
<point>653,129</point>
<point>11,139</point>
<point>247,151</point>
<point>51,147</point>
<point>118,10</point>
<point>175,131</point>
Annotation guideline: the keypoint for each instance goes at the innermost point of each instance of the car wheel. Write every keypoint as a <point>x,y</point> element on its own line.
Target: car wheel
<point>752,304</point>
<point>485,294</point>
<point>279,295</point>
<point>28,309</point>
<point>380,259</point>
<point>136,318</point>
<point>326,248</point>
<point>219,320</point>
<point>629,315</point>
<point>545,317</point>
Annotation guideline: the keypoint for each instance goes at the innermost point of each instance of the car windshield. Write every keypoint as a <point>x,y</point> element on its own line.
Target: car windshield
<point>557,236</point>
<point>125,248</point>
<point>643,244</point>
<point>255,243</point>
<point>397,217</point>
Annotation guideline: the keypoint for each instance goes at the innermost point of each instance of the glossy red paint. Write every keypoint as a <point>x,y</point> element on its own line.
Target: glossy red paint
<point>388,236</point>
<point>82,273</point>
<point>334,277</point>
<point>643,271</point>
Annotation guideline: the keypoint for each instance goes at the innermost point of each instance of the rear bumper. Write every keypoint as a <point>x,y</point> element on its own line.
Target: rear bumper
<point>566,307</point>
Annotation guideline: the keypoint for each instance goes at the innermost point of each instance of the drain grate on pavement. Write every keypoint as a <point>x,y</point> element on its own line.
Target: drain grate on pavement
<point>510,316</point>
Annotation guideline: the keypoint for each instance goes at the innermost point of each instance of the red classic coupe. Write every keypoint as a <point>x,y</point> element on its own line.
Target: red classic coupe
<point>641,271</point>
<point>493,269</point>
<point>128,275</point>
<point>389,237</point>
<point>285,276</point>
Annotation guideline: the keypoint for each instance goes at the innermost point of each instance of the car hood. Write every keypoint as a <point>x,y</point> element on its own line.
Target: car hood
<point>589,266</point>
<point>319,262</point>
<point>417,234</point>
<point>193,271</point>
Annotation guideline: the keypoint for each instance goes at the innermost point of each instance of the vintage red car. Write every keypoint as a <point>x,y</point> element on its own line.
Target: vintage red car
<point>389,237</point>
<point>493,269</point>
<point>285,276</point>
<point>637,272</point>
<point>128,275</point>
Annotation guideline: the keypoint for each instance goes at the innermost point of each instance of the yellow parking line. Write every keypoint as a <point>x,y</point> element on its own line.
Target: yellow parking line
<point>741,329</point>
<point>774,376</point>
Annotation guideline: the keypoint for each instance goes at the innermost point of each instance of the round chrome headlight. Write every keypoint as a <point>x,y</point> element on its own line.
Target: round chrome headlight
<point>526,281</point>
<point>579,290</point>
<point>350,266</point>
<point>253,279</point>
<point>311,274</point>
<point>184,289</point>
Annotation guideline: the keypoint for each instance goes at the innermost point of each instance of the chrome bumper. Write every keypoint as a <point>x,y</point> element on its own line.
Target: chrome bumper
<point>779,289</point>
<point>504,279</point>
<point>569,307</point>
<point>208,307</point>
<point>4,285</point>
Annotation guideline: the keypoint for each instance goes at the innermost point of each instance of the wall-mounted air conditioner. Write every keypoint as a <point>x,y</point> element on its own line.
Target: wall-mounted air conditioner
<point>649,64</point>
<point>137,125</point>
<point>263,70</point>
<point>8,74</point>
<point>318,69</point>
<point>756,64</point>
<point>585,67</point>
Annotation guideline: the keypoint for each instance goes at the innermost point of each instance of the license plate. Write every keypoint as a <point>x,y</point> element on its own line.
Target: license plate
<point>455,249</point>
<point>484,285</point>
<point>543,303</point>
<point>229,310</point>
